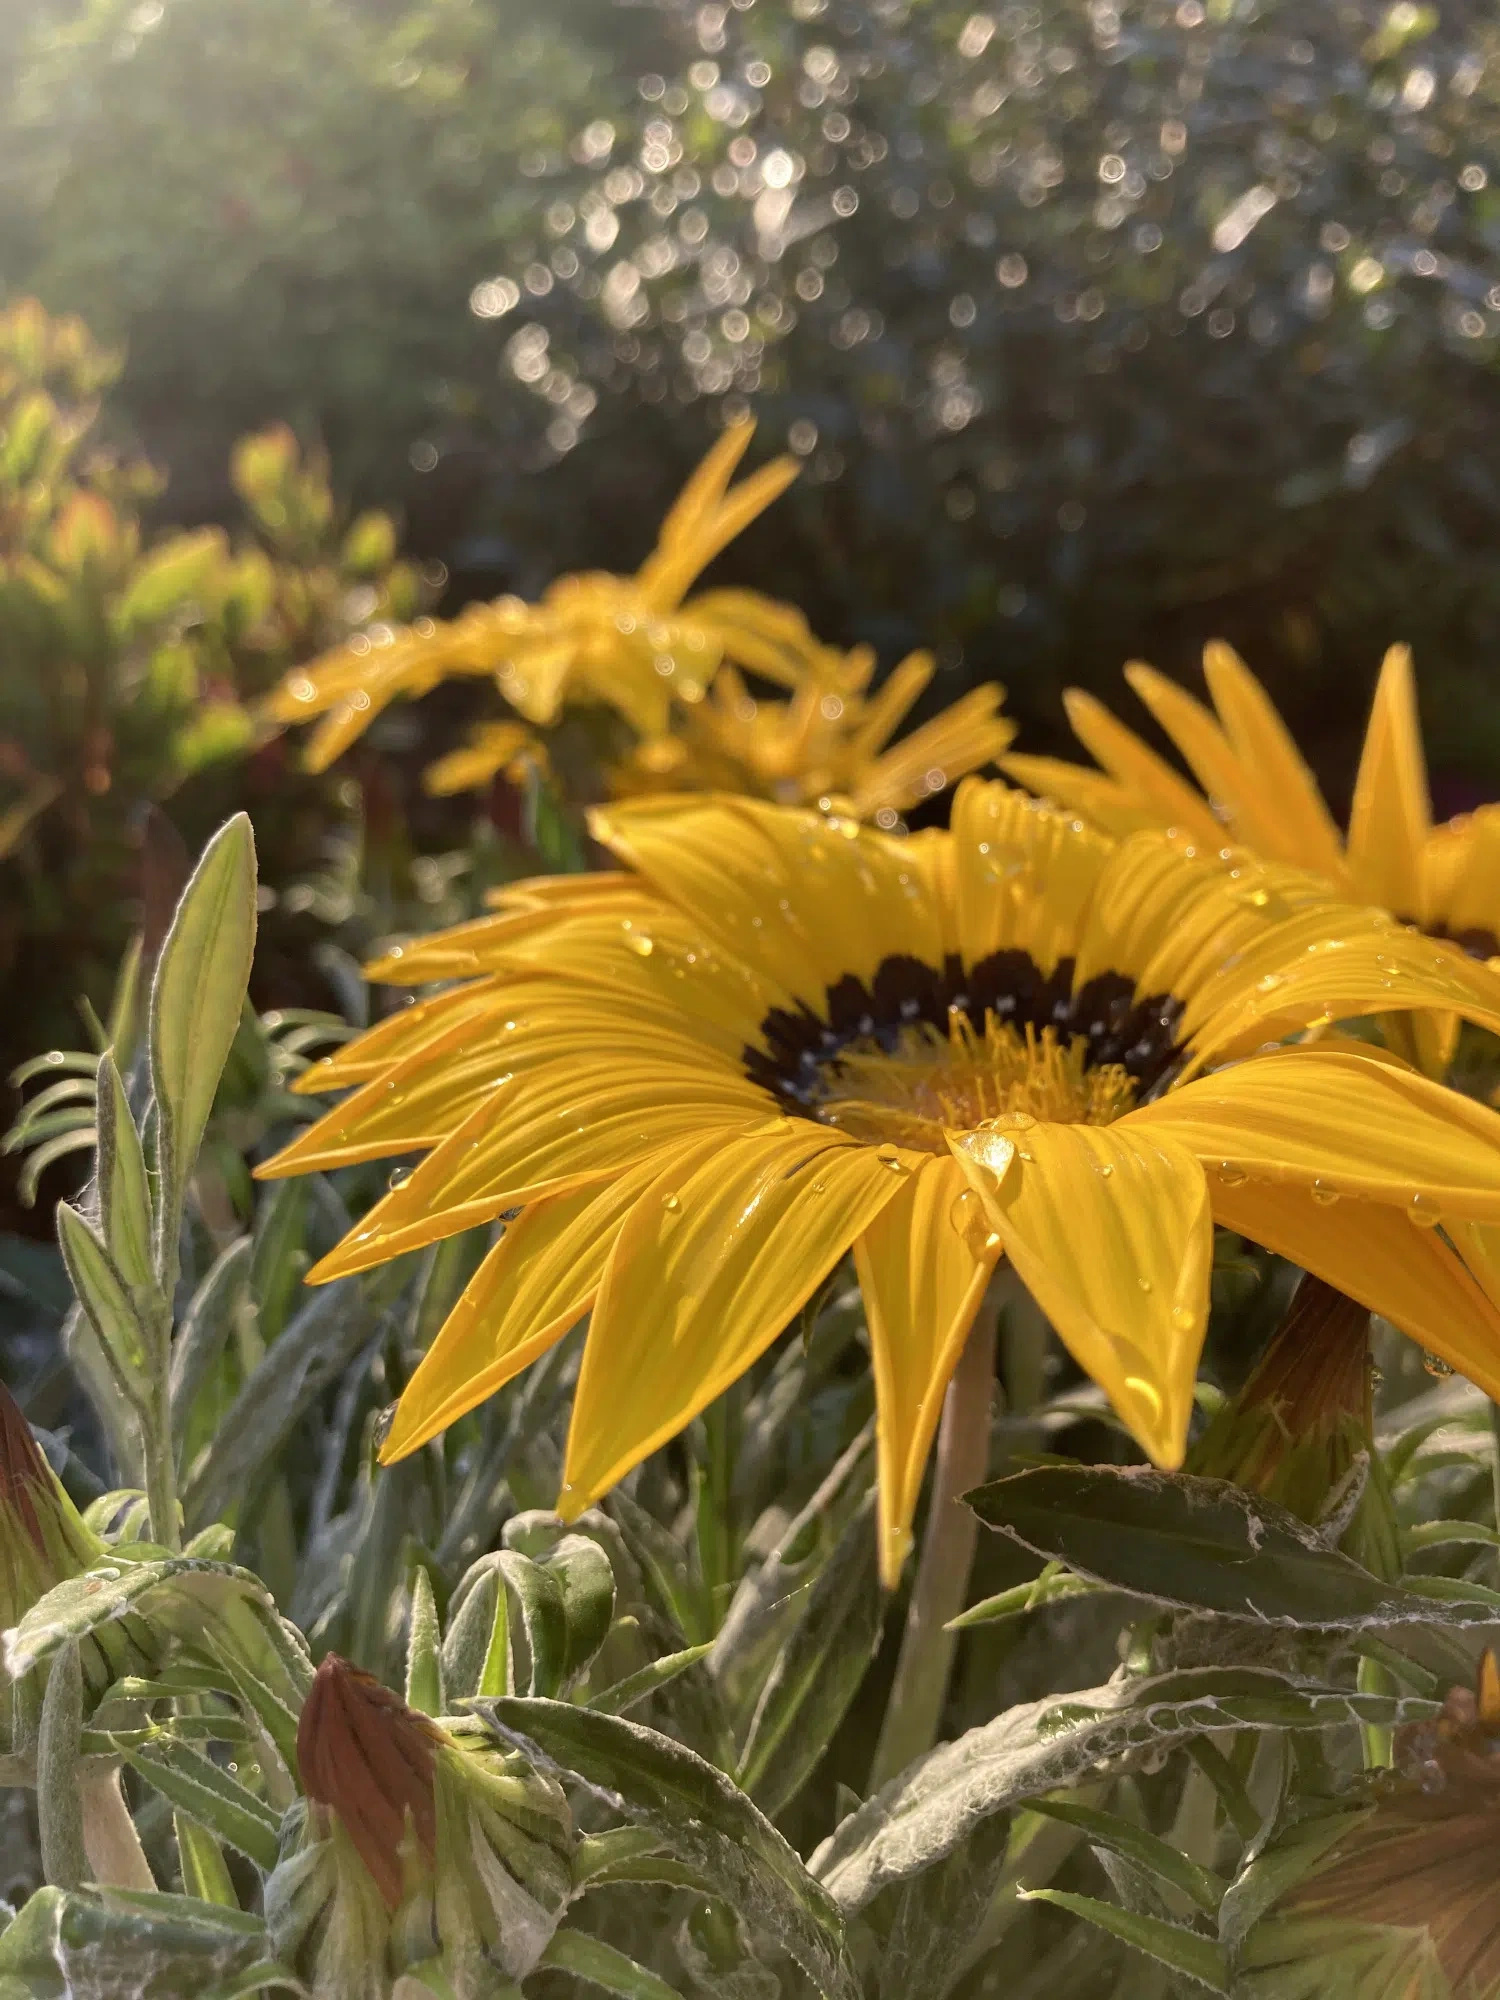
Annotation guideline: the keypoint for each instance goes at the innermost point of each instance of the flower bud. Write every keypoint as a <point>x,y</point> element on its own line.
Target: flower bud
<point>418,1842</point>
<point>1297,1428</point>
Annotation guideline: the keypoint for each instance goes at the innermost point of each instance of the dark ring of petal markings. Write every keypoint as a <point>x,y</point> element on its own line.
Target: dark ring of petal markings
<point>802,1049</point>
<point>1475,941</point>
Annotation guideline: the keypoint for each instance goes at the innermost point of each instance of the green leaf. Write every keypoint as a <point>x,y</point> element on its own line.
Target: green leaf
<point>277,1259</point>
<point>1044,1746</point>
<point>475,1644</point>
<point>205,1327</point>
<point>90,1943</point>
<point>59,1806</point>
<point>1438,1534</point>
<point>645,1681</point>
<point>818,1671</point>
<point>587,1583</point>
<point>591,1959</point>
<point>320,1342</point>
<point>196,999</point>
<point>174,573</point>
<point>194,1784</point>
<point>1197,1544</point>
<point>1054,1586</point>
<point>424,1660</point>
<point>698,1815</point>
<point>204,1873</point>
<point>538,1596</point>
<point>106,1300</point>
<point>935,1916</point>
<point>1141,1848</point>
<point>1187,1952</point>
<point>124,1191</point>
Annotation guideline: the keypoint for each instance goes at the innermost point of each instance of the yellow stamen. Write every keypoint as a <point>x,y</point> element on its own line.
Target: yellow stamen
<point>908,1094</point>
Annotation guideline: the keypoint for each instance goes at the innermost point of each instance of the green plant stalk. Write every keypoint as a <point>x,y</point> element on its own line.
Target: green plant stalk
<point>156,1434</point>
<point>915,1708</point>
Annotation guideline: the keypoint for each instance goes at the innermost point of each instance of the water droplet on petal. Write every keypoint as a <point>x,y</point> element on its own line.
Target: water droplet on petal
<point>671,1201</point>
<point>1232,1174</point>
<point>1436,1365</point>
<point>644,945</point>
<point>1424,1212</point>
<point>1270,982</point>
<point>966,1211</point>
<point>398,1176</point>
<point>889,1154</point>
<point>1323,1194</point>
<point>1144,1283</point>
<point>1184,1319</point>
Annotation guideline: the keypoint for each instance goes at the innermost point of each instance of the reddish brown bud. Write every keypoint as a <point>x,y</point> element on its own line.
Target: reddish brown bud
<point>367,1757</point>
<point>25,1476</point>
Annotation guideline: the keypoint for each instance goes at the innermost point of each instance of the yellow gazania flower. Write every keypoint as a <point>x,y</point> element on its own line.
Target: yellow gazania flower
<point>776,1036</point>
<point>628,641</point>
<point>828,742</point>
<point>1258,789</point>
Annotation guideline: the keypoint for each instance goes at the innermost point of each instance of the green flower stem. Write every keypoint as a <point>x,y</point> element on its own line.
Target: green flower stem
<point>915,1709</point>
<point>156,1437</point>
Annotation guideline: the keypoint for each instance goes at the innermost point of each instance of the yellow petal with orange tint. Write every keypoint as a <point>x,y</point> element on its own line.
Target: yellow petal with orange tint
<point>1411,1276</point>
<point>923,1265</point>
<point>709,1268</point>
<point>1110,1231</point>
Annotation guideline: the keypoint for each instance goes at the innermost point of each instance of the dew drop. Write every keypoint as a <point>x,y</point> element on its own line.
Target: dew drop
<point>1377,1377</point>
<point>671,1201</point>
<point>644,945</point>
<point>1232,1174</point>
<point>1436,1365</point>
<point>398,1177</point>
<point>1144,1283</point>
<point>889,1153</point>
<point>1270,982</point>
<point>1324,1195</point>
<point>1146,1391</point>
<point>992,1241</point>
<point>1424,1212</point>
<point>1021,1121</point>
<point>1105,1169</point>
<point>965,1212</point>
<point>1184,1319</point>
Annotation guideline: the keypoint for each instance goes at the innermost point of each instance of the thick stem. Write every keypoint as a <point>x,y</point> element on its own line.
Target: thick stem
<point>915,1708</point>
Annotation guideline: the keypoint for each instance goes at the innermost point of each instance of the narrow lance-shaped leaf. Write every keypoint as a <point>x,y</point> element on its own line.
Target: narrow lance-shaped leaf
<point>424,1659</point>
<point>196,1001</point>
<point>106,1300</point>
<point>124,1191</point>
<point>1200,1544</point>
<point>1186,1952</point>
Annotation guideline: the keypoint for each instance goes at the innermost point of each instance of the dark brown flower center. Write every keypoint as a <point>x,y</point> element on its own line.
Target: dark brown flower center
<point>966,1043</point>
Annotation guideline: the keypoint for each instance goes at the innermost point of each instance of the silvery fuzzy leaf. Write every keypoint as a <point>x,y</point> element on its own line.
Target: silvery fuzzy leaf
<point>1042,1746</point>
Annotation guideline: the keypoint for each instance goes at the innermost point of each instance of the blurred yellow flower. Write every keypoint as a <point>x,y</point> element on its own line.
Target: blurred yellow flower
<point>627,641</point>
<point>1257,788</point>
<point>826,742</point>
<point>494,747</point>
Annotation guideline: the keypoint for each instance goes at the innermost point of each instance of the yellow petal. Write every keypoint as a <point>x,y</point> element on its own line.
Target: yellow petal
<point>888,710</point>
<point>1287,789</point>
<point>425,1024</point>
<point>706,485</point>
<point>922,1283</point>
<point>1409,1275</point>
<point>1461,879</point>
<point>1024,874</point>
<point>1110,1230</point>
<point>804,899</point>
<point>568,1125</point>
<point>1331,979</point>
<point>1100,799</point>
<point>708,1269</point>
<point>963,738</point>
<point>1339,1125</point>
<point>1149,779</point>
<point>1391,815</point>
<point>536,1282</point>
<point>1212,759</point>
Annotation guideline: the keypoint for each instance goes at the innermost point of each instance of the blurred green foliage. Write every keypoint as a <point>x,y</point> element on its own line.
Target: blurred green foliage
<point>1104,325</point>
<point>125,655</point>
